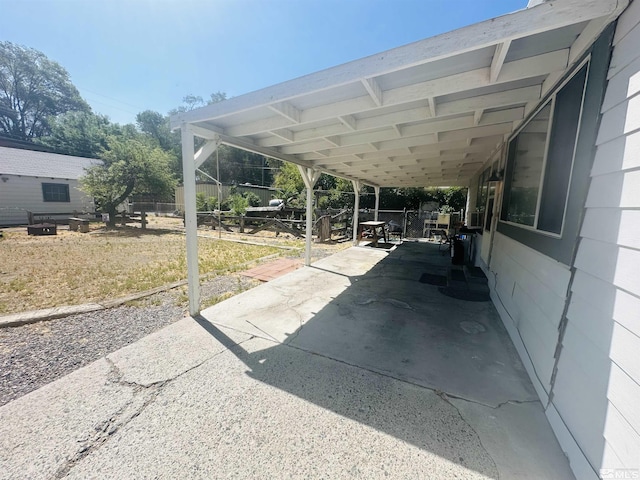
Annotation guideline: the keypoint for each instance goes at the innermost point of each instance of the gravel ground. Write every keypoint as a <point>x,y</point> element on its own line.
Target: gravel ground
<point>33,355</point>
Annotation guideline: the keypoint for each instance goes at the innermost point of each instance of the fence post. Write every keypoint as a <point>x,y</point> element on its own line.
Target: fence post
<point>241,223</point>
<point>143,219</point>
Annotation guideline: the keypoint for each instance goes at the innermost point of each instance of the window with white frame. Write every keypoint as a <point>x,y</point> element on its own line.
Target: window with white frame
<point>540,160</point>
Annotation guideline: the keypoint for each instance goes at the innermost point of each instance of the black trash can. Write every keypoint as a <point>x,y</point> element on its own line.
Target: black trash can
<point>457,257</point>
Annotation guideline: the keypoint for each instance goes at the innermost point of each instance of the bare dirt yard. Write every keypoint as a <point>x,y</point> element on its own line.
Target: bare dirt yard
<point>70,268</point>
<point>73,268</point>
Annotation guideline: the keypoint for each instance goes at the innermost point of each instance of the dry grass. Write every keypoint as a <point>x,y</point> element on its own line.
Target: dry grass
<point>72,268</point>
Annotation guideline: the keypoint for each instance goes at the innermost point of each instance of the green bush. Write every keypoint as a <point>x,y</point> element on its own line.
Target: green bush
<point>238,204</point>
<point>252,199</point>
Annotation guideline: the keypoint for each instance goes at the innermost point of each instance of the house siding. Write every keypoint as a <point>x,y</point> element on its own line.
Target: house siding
<point>576,322</point>
<point>530,289</point>
<point>19,194</point>
<point>597,386</point>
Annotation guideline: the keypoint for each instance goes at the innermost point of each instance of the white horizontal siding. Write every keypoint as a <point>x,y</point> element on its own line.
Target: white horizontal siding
<point>621,153</point>
<point>19,194</point>
<point>613,226</point>
<point>532,289</point>
<point>626,41</point>
<point>597,386</point>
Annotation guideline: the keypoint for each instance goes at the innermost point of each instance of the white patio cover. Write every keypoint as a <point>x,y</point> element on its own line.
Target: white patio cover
<point>425,114</point>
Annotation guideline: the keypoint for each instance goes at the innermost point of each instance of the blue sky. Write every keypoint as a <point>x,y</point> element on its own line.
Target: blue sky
<point>129,56</point>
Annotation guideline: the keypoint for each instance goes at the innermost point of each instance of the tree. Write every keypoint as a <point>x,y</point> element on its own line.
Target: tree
<point>130,167</point>
<point>289,183</point>
<point>82,134</point>
<point>191,102</point>
<point>33,90</point>
<point>156,127</point>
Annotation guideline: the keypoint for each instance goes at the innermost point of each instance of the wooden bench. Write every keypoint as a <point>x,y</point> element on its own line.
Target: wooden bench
<point>79,225</point>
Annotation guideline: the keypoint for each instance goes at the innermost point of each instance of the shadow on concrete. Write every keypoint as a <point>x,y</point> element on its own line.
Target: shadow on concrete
<point>382,320</point>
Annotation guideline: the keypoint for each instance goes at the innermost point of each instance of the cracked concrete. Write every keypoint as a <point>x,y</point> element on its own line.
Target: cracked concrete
<point>297,379</point>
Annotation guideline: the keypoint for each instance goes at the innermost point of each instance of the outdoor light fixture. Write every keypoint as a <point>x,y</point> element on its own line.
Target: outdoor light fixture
<point>495,177</point>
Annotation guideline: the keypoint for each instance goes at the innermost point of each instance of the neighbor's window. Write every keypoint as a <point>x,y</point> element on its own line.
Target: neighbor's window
<point>55,192</point>
<point>540,160</point>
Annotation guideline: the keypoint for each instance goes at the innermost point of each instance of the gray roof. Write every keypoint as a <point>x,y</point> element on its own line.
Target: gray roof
<point>16,161</point>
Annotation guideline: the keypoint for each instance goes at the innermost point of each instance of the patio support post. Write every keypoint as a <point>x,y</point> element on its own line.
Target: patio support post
<point>190,218</point>
<point>310,177</point>
<point>356,210</point>
<point>376,189</point>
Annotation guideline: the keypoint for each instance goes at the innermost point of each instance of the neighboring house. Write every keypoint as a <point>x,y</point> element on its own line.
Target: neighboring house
<point>42,183</point>
<point>538,113</point>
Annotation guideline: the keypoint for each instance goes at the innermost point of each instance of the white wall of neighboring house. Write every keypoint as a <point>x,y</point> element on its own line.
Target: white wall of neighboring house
<point>22,175</point>
<point>576,324</point>
<point>20,193</point>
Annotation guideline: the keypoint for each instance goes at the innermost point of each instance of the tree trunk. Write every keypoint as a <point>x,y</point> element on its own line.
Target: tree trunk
<point>112,217</point>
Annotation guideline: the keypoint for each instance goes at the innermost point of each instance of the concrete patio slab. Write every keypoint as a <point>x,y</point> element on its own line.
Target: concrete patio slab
<point>260,386</point>
<point>367,308</point>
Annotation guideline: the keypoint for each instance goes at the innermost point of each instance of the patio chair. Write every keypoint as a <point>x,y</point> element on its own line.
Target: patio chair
<point>445,239</point>
<point>393,228</point>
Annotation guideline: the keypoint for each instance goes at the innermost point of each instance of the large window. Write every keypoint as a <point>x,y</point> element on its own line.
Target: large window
<point>55,192</point>
<point>540,160</point>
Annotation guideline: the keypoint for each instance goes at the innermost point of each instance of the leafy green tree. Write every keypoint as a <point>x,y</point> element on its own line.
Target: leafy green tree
<point>191,102</point>
<point>156,127</point>
<point>33,91</point>
<point>288,182</point>
<point>82,134</point>
<point>130,167</point>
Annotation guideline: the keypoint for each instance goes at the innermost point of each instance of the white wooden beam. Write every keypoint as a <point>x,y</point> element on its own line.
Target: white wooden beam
<point>586,38</point>
<point>349,121</point>
<point>267,152</point>
<point>498,60</point>
<point>283,133</point>
<point>309,177</point>
<point>287,110</point>
<point>473,79</point>
<point>403,116</point>
<point>208,133</point>
<point>310,146</point>
<point>206,151</point>
<point>507,98</point>
<point>512,71</point>
<point>190,218</point>
<point>373,89</point>
<point>475,132</point>
<point>432,106</point>
<point>333,140</point>
<point>356,210</point>
<point>435,126</point>
<point>544,17</point>
<point>501,116</point>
